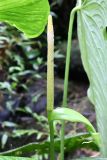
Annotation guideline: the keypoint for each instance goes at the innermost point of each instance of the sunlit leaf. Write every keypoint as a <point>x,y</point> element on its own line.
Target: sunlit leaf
<point>30,16</point>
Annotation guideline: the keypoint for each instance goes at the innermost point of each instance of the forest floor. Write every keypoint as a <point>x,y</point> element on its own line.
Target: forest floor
<point>35,98</point>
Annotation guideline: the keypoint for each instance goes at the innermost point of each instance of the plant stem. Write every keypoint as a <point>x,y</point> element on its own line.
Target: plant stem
<point>65,94</point>
<point>79,2</point>
<point>51,127</point>
<point>50,82</point>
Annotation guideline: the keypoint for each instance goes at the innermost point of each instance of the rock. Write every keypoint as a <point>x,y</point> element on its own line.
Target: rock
<point>61,20</point>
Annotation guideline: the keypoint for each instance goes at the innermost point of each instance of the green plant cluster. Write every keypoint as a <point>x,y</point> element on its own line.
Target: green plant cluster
<point>19,58</point>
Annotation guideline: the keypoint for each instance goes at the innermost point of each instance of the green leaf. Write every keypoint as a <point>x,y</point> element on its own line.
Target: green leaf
<point>15,158</point>
<point>21,132</point>
<point>73,142</point>
<point>92,32</point>
<point>70,115</point>
<point>30,16</point>
<point>4,140</point>
<point>73,116</point>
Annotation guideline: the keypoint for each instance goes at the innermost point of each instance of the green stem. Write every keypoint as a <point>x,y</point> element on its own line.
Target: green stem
<point>79,2</point>
<point>51,127</point>
<point>69,46</point>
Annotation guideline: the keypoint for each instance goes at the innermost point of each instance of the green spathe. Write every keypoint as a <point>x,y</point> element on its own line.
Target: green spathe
<point>29,16</point>
<point>92,22</point>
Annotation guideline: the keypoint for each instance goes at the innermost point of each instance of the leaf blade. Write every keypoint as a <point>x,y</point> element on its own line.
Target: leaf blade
<point>70,115</point>
<point>28,16</point>
<point>92,21</point>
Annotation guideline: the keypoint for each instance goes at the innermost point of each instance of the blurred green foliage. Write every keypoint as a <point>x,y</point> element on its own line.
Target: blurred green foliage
<point>20,58</point>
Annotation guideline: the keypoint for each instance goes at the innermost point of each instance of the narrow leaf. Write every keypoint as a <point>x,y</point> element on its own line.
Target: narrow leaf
<point>4,140</point>
<point>70,115</point>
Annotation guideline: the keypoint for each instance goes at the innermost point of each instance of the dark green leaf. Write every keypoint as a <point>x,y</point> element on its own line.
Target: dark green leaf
<point>71,143</point>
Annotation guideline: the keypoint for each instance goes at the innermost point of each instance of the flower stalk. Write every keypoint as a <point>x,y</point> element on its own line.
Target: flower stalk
<point>50,81</point>
<point>50,65</point>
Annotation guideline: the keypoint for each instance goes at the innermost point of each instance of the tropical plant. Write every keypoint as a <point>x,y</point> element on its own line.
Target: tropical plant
<point>31,18</point>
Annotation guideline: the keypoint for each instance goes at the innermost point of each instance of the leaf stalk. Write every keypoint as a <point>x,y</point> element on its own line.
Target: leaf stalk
<point>66,79</point>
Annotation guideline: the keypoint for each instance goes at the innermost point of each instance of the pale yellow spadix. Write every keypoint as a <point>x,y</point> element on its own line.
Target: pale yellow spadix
<point>50,65</point>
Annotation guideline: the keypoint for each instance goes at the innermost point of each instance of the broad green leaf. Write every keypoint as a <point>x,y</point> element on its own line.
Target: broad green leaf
<point>15,158</point>
<point>30,16</point>
<point>72,143</point>
<point>92,32</point>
